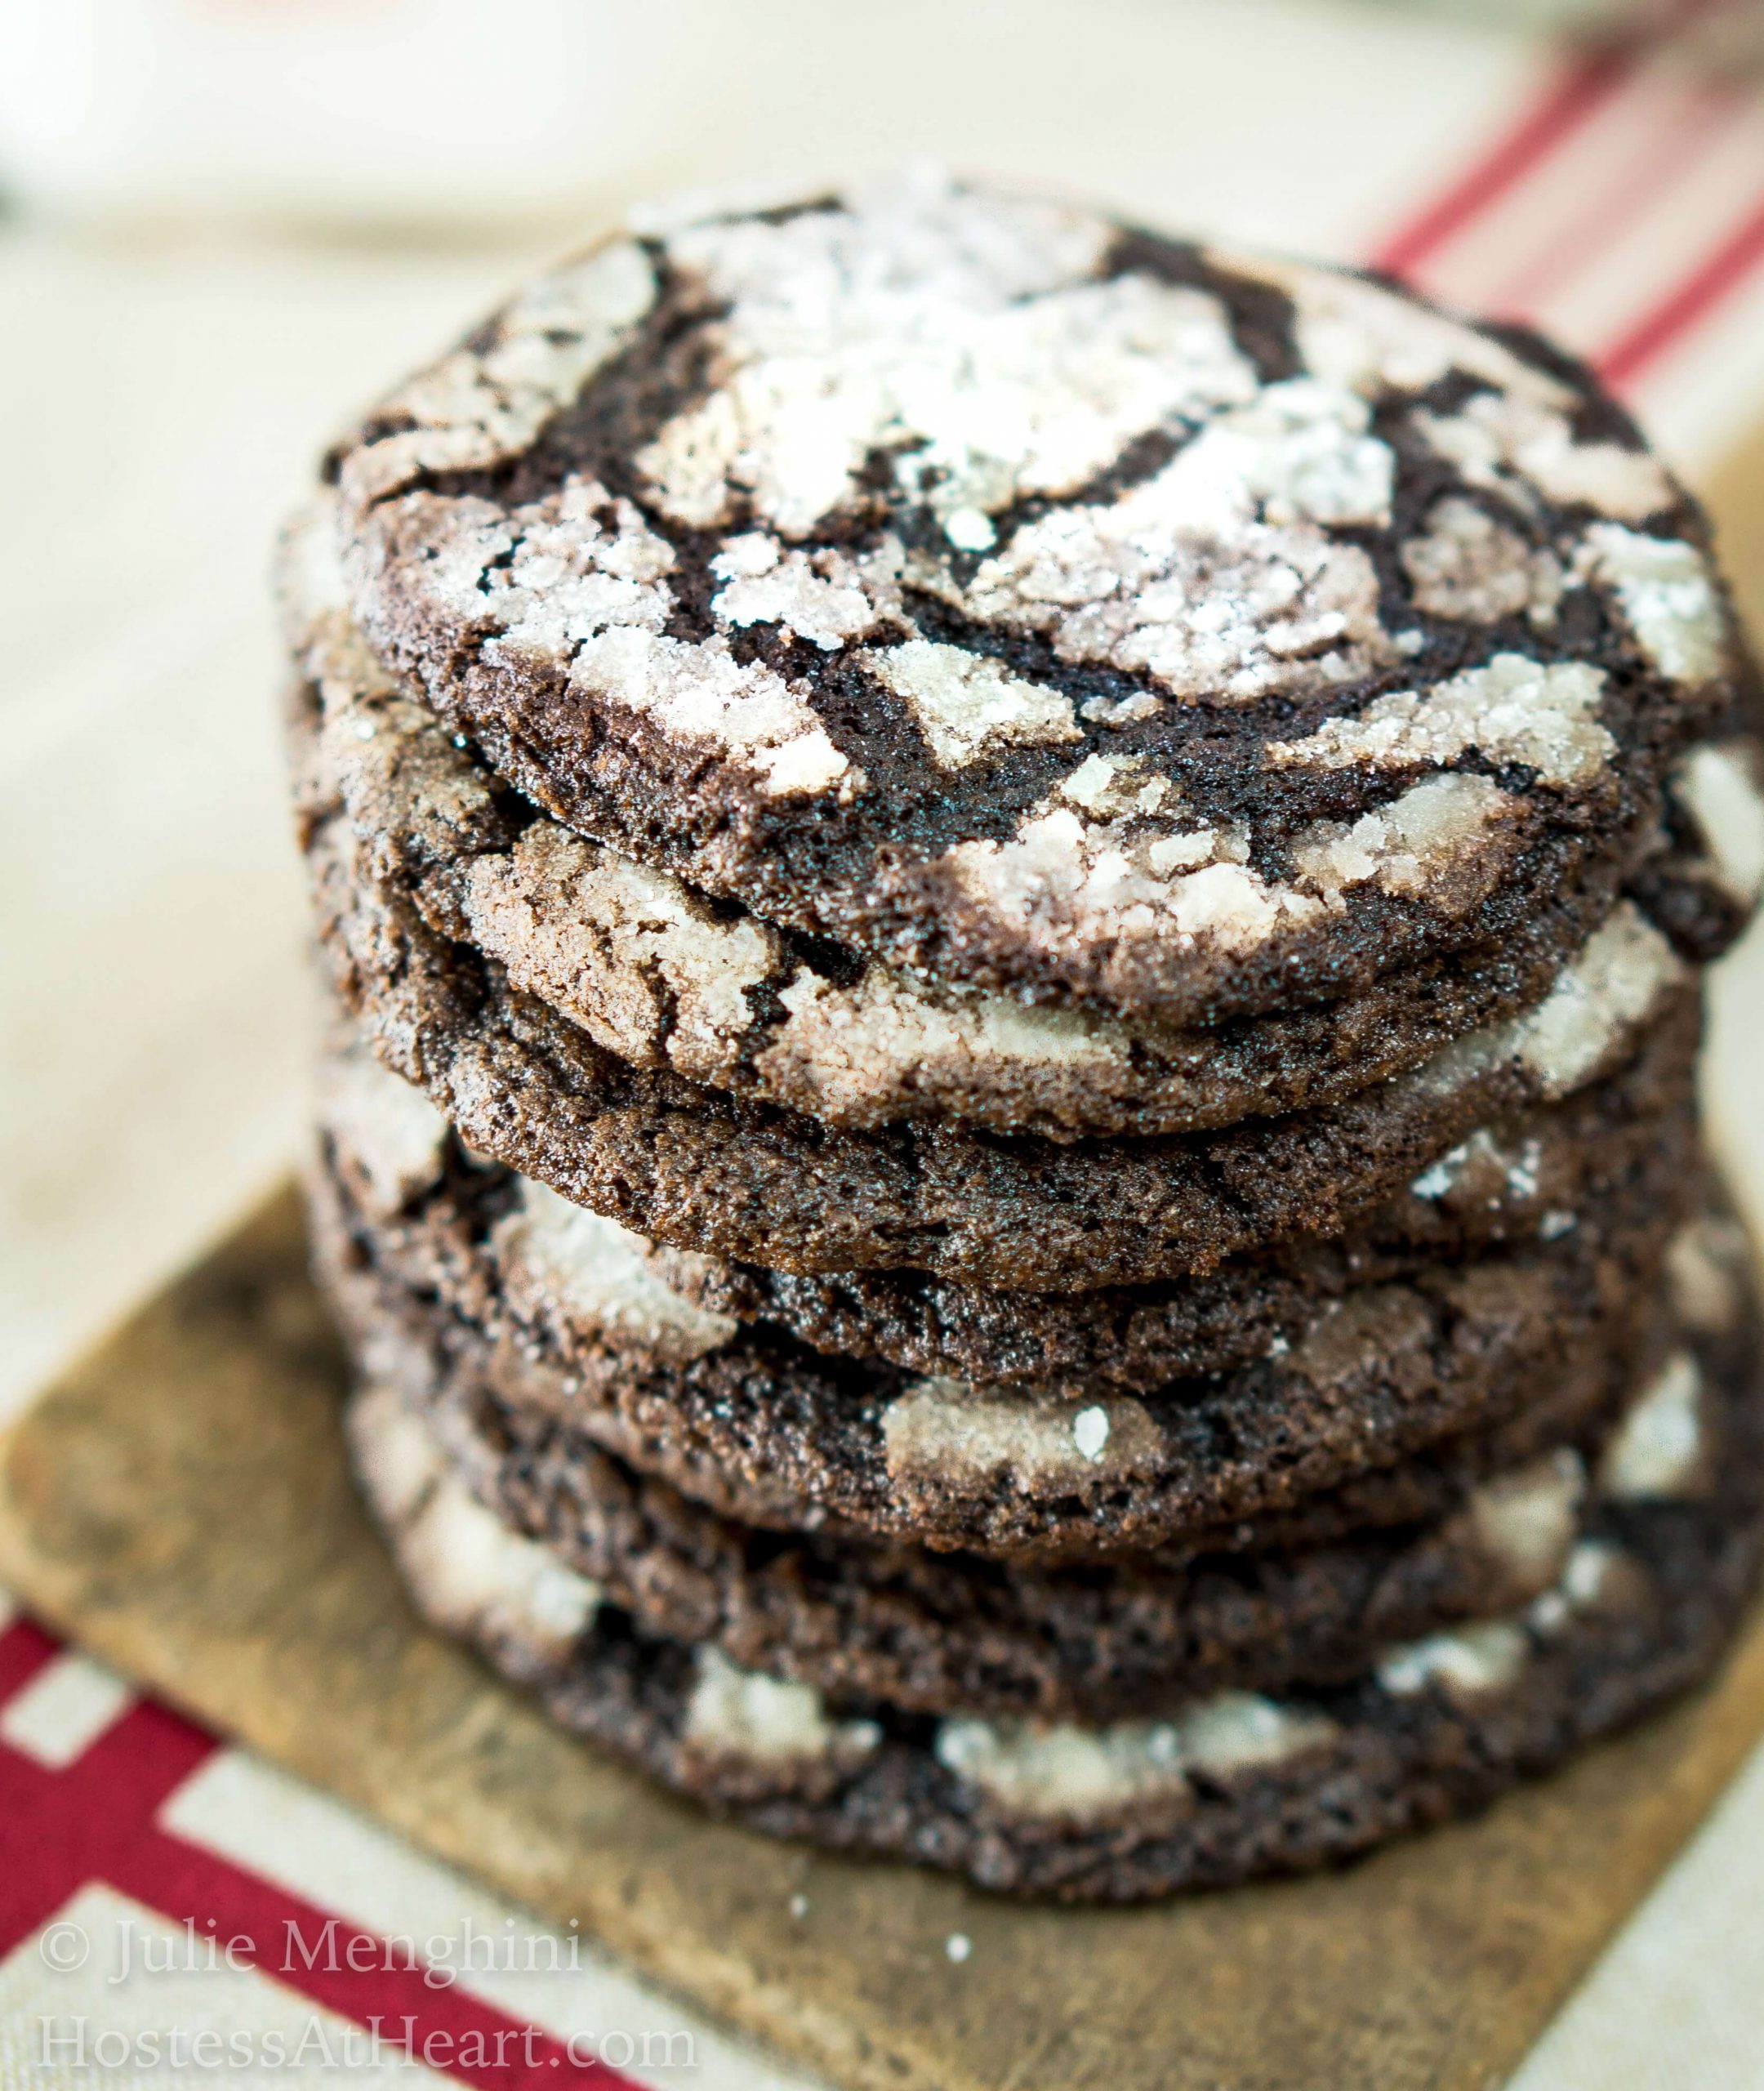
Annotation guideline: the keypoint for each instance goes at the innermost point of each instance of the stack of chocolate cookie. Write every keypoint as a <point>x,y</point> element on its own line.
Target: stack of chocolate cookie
<point>1009,1150</point>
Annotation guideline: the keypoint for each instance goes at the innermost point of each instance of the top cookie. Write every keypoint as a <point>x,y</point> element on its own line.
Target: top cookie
<point>1031,602</point>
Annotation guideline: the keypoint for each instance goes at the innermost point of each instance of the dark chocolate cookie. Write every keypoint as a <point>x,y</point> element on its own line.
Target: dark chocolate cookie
<point>562,1313</point>
<point>1609,1158</point>
<point>1230,1785</point>
<point>661,976</point>
<point>1029,601</point>
<point>1583,1163</point>
<point>944,1634</point>
<point>701,1169</point>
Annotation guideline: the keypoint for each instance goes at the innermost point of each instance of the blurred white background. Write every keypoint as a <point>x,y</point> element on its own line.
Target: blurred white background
<point>464,118</point>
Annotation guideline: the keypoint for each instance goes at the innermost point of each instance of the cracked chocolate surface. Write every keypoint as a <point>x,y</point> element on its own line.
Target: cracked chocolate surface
<point>1225,1785</point>
<point>558,1312</point>
<point>1026,602</point>
<point>703,1170</point>
<point>958,1633</point>
<point>663,976</point>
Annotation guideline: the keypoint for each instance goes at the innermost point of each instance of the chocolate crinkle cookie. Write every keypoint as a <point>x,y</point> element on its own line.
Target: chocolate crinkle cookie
<point>1014,916</point>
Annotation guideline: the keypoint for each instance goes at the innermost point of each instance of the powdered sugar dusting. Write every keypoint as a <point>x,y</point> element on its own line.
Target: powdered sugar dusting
<point>638,959</point>
<point>1707,1263</point>
<point>1595,1572</point>
<point>1062,1771</point>
<point>1019,1439</point>
<point>1481,1168</point>
<point>1513,710</point>
<point>478,407</point>
<point>841,1049</point>
<point>392,1133</point>
<point>702,693</point>
<point>1668,596</point>
<point>1593,1014</point>
<point>824,597</point>
<point>1215,577</point>
<point>472,1574</point>
<point>578,563</point>
<point>1717,785</point>
<point>598,1274</point>
<point>1472,568</point>
<point>1404,846</point>
<point>963,331</point>
<point>1064,880</point>
<point>1527,1520</point>
<point>1658,1449</point>
<point>967,705</point>
<point>1625,969</point>
<point>1471,1662</point>
<point>1036,479</point>
<point>1512,444</point>
<point>764,1720</point>
<point>1358,335</point>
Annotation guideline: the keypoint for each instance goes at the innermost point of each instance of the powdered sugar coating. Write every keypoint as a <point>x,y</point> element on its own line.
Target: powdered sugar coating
<point>1594,1576</point>
<point>1511,444</point>
<point>1602,999</point>
<point>635,956</point>
<point>1215,575</point>
<point>598,1276</point>
<point>1060,1771</point>
<point>1468,1662</point>
<point>839,1047</point>
<point>738,1713</point>
<point>1502,1174</point>
<point>1143,1807</point>
<point>1062,879</point>
<point>1666,594</point>
<point>395,1135</point>
<point>1474,569</point>
<point>705,693</point>
<point>1528,1520</point>
<point>1023,1440</point>
<point>1513,710</point>
<point>924,311</point>
<point>478,406</point>
<point>865,514</point>
<point>1600,1004</point>
<point>1658,1450</point>
<point>1707,1263</point>
<point>1426,832</point>
<point>1064,1770</point>
<point>824,597</point>
<point>660,976</point>
<point>476,1575</point>
<point>1370,339</point>
<point>965,704</point>
<point>1717,785</point>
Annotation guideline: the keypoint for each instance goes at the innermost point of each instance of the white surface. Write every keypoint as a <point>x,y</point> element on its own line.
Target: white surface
<point>162,404</point>
<point>321,111</point>
<point>64,1709</point>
